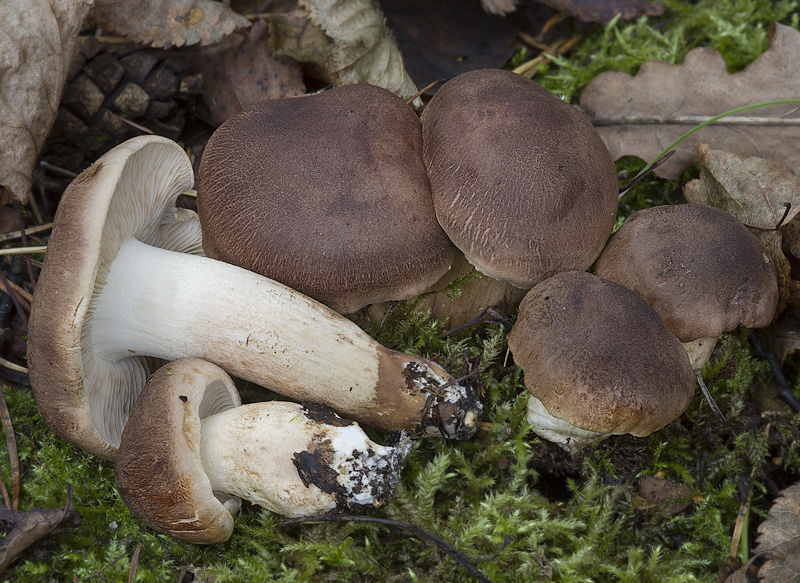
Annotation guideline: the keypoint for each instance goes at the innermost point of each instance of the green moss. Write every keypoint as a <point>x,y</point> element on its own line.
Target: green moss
<point>520,509</point>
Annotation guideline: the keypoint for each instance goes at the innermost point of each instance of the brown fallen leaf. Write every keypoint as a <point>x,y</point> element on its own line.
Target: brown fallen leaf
<point>754,191</point>
<point>586,10</point>
<point>28,527</point>
<point>594,11</point>
<point>641,115</point>
<point>664,495</point>
<point>348,39</point>
<point>39,41</point>
<point>442,39</point>
<point>779,539</point>
<point>167,23</point>
<point>242,70</point>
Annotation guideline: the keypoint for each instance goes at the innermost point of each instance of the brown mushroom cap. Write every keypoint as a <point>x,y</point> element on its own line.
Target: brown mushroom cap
<point>189,453</point>
<point>159,473</point>
<point>521,181</point>
<point>697,266</point>
<point>598,357</point>
<point>129,191</point>
<point>327,194</point>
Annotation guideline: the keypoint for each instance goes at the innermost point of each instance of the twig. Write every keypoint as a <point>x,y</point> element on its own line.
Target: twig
<point>13,454</point>
<point>456,555</point>
<point>784,391</point>
<point>133,124</point>
<point>34,249</point>
<point>694,119</point>
<point>57,169</point>
<point>28,231</point>
<point>21,222</point>
<point>423,90</point>
<point>708,396</point>
<point>14,298</point>
<point>13,366</point>
<point>134,563</point>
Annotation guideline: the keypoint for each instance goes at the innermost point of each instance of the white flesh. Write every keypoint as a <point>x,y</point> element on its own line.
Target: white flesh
<point>559,431</point>
<point>170,305</point>
<point>250,452</point>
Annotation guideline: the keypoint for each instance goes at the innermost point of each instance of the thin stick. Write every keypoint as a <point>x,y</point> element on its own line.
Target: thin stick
<point>21,222</point>
<point>14,298</point>
<point>13,366</point>
<point>57,169</point>
<point>21,292</point>
<point>456,555</point>
<point>423,90</point>
<point>28,231</point>
<point>709,121</point>
<point>133,124</point>
<point>34,249</point>
<point>134,563</point>
<point>708,396</point>
<point>531,40</point>
<point>13,454</point>
<point>784,391</point>
<point>694,119</point>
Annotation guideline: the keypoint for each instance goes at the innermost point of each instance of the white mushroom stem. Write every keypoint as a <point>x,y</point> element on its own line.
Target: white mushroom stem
<point>559,431</point>
<point>274,455</point>
<point>699,351</point>
<point>170,305</point>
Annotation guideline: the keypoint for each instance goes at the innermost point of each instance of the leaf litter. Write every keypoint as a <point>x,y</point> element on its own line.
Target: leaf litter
<point>640,115</point>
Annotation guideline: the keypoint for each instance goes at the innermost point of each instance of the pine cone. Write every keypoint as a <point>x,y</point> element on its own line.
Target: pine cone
<point>111,83</point>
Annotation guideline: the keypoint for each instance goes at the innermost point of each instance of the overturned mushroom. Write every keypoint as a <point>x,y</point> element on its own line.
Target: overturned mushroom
<point>326,193</point>
<point>120,286</point>
<point>597,360</point>
<point>189,452</point>
<point>698,267</point>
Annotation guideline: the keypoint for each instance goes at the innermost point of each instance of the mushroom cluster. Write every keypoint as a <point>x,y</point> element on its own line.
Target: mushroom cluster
<point>369,203</point>
<point>125,287</point>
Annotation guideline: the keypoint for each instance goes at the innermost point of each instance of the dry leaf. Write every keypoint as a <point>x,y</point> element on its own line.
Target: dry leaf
<point>779,539</point>
<point>621,105</point>
<point>348,38</point>
<point>167,23</point>
<point>28,527</point>
<point>664,495</point>
<point>755,192</point>
<point>242,70</point>
<point>442,39</point>
<point>596,11</point>
<point>38,40</point>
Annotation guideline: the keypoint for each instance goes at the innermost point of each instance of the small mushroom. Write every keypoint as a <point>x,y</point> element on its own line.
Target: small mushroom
<point>521,181</point>
<point>326,193</point>
<point>698,267</point>
<point>123,286</point>
<point>597,360</point>
<point>190,451</point>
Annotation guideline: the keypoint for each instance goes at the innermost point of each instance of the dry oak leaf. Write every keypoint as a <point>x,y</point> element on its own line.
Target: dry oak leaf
<point>28,527</point>
<point>349,39</point>
<point>755,192</point>
<point>168,23</point>
<point>642,115</point>
<point>779,539</point>
<point>38,40</point>
<point>242,70</point>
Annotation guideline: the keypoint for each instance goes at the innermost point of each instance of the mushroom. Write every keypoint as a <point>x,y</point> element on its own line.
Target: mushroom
<point>190,451</point>
<point>698,267</point>
<point>597,360</point>
<point>122,285</point>
<point>521,181</point>
<point>339,209</point>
